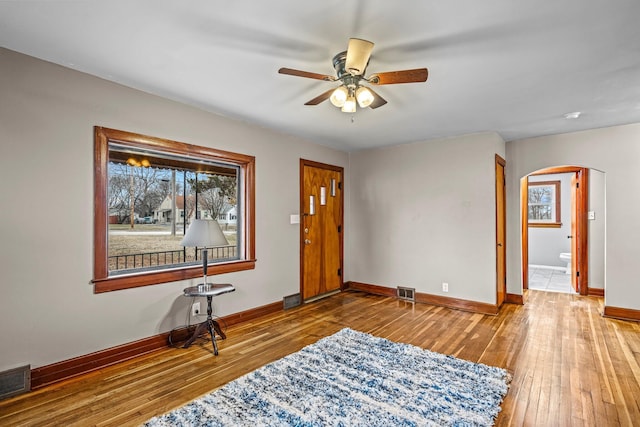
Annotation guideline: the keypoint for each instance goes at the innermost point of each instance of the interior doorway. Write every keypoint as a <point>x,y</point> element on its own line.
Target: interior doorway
<point>321,229</point>
<point>539,214</point>
<point>551,244</point>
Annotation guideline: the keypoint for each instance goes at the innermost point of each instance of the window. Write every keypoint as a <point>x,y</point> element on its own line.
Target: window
<point>544,204</point>
<point>147,192</point>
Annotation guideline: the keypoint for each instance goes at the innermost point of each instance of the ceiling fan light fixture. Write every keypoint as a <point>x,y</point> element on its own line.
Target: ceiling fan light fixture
<point>364,97</point>
<point>349,105</point>
<point>339,96</point>
<point>350,66</point>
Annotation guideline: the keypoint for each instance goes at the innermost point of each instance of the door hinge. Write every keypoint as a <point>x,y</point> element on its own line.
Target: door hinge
<point>577,185</point>
<point>577,274</point>
<point>339,272</point>
<point>340,186</point>
<point>339,229</point>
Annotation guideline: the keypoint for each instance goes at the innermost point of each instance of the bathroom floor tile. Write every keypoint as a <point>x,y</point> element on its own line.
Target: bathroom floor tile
<point>550,279</point>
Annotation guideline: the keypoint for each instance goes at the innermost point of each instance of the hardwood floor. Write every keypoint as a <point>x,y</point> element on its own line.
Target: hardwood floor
<point>570,366</point>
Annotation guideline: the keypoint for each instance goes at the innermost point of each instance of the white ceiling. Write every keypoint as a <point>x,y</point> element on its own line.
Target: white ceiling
<point>508,66</point>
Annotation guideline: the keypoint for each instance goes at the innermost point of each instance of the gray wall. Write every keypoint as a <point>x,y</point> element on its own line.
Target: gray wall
<point>424,213</point>
<point>48,311</point>
<point>546,243</point>
<point>615,151</point>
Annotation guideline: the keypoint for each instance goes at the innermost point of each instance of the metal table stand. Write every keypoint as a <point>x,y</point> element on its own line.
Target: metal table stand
<point>209,290</point>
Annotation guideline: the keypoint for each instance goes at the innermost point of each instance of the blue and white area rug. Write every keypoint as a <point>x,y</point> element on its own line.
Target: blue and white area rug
<point>353,379</point>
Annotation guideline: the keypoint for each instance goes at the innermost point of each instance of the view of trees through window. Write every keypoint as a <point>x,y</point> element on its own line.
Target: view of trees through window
<point>153,197</point>
<point>544,202</point>
<point>540,203</point>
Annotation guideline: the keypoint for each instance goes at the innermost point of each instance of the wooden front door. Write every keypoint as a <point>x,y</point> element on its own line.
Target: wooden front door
<point>501,263</point>
<point>320,229</point>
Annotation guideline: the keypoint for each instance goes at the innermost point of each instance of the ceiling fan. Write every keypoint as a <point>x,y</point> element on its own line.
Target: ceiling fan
<point>350,67</point>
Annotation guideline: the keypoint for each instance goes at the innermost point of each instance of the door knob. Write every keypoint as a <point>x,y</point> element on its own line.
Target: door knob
<point>569,237</point>
<point>307,241</point>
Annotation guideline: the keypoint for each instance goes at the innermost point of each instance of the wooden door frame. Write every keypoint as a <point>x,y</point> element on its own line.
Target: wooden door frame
<point>582,206</point>
<point>502,162</point>
<point>339,169</point>
<point>574,232</point>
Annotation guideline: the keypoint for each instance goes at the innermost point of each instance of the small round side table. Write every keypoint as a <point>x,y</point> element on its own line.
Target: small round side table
<point>209,290</point>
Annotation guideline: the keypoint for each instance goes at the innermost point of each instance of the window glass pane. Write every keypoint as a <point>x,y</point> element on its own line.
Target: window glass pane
<point>540,212</point>
<point>543,203</point>
<point>152,199</point>
<point>541,194</point>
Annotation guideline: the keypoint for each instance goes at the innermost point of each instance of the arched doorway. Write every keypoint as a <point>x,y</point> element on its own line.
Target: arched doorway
<point>579,227</point>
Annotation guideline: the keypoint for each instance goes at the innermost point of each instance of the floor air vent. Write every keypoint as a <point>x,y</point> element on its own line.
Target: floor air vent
<point>15,381</point>
<point>408,294</point>
<point>291,301</point>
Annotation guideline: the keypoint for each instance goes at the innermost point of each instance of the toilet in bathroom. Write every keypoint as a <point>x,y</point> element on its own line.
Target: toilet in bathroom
<point>566,258</point>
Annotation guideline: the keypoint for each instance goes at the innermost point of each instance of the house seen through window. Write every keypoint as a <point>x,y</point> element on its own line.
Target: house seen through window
<point>152,201</point>
<point>152,193</point>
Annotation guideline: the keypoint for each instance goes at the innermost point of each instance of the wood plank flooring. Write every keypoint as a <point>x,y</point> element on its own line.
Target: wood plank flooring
<point>570,366</point>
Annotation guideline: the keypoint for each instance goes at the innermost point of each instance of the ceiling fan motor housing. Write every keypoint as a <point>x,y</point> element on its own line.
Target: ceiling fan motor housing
<point>349,80</point>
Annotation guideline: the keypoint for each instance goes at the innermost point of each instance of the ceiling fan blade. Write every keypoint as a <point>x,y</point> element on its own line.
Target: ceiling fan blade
<point>405,76</point>
<point>292,72</point>
<point>378,101</point>
<point>320,98</point>
<point>358,54</point>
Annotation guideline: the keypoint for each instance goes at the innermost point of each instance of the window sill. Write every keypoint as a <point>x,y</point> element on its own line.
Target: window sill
<point>546,224</point>
<point>136,280</point>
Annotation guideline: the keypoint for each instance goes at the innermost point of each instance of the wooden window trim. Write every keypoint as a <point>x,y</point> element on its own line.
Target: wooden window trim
<point>554,224</point>
<point>101,279</point>
<point>545,224</point>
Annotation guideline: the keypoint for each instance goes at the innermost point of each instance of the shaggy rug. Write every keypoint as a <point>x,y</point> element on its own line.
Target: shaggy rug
<point>353,379</point>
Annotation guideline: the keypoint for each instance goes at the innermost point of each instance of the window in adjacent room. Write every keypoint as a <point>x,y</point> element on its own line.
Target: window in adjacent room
<point>544,204</point>
<point>147,192</point>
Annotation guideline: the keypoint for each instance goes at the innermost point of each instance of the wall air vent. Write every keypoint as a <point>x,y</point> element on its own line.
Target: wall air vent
<point>15,381</point>
<point>291,301</point>
<point>408,294</point>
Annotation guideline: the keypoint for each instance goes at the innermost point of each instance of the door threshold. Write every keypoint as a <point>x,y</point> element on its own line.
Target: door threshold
<point>322,296</point>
